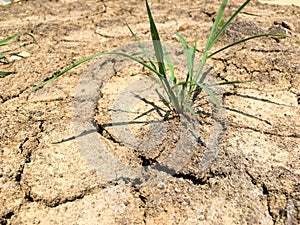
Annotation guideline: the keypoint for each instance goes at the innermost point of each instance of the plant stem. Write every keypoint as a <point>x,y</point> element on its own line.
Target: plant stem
<point>171,94</point>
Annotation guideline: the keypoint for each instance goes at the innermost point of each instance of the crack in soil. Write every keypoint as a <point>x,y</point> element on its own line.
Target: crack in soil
<point>27,159</point>
<point>190,177</point>
<point>22,144</point>
<point>61,200</point>
<point>253,180</point>
<point>264,132</point>
<point>227,64</point>
<point>27,153</point>
<point>266,192</point>
<point>106,134</point>
<point>200,180</point>
<point>136,192</point>
<point>8,98</point>
<point>248,115</point>
<point>285,213</point>
<point>267,51</point>
<point>6,218</point>
<point>226,94</point>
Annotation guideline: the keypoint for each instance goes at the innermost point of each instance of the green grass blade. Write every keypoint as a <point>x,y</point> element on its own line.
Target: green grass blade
<point>210,93</point>
<point>218,19</point>
<point>250,38</point>
<point>64,71</point>
<point>228,23</point>
<point>7,42</point>
<point>134,59</point>
<point>222,22</point>
<point>189,54</point>
<point>154,69</point>
<point>173,79</point>
<point>159,55</point>
<point>144,51</point>
<point>158,49</point>
<point>181,83</point>
<point>153,78</point>
<point>182,40</point>
<point>189,108</point>
<point>9,39</point>
<point>210,41</point>
<point>200,69</point>
<point>4,74</point>
<point>24,47</point>
<point>191,61</point>
<point>170,66</point>
<point>94,56</point>
<point>33,38</point>
<point>206,89</point>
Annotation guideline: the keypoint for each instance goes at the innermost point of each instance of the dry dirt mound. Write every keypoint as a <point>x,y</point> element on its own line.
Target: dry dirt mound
<point>253,180</point>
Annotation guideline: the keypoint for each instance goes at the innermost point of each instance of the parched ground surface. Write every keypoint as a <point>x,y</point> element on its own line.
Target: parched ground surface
<point>254,180</point>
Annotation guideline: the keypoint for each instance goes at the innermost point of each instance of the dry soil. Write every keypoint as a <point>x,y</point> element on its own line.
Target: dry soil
<point>254,179</point>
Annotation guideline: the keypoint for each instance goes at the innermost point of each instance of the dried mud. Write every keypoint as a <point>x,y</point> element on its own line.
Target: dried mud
<point>254,179</point>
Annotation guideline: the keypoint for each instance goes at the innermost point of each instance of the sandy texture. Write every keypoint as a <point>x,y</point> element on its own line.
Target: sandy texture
<point>281,2</point>
<point>254,179</point>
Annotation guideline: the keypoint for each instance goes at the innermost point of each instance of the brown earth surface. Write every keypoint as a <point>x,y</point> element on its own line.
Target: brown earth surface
<point>44,177</point>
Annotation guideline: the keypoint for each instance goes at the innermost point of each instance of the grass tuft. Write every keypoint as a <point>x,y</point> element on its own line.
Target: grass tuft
<point>180,94</point>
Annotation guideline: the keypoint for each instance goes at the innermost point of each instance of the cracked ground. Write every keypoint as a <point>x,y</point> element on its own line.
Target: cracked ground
<point>254,179</point>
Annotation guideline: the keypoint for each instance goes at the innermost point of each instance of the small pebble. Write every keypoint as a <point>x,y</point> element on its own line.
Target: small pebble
<point>36,221</point>
<point>161,185</point>
<point>183,27</point>
<point>176,190</point>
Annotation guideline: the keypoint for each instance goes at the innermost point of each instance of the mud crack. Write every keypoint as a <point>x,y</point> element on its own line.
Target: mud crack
<point>61,200</point>
<point>143,199</point>
<point>280,203</point>
<point>266,192</point>
<point>5,218</point>
<point>203,180</point>
<point>106,134</point>
<point>264,132</point>
<point>26,152</point>
<point>26,149</point>
<point>17,95</point>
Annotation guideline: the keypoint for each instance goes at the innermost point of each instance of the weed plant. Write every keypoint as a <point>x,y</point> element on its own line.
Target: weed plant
<point>181,94</point>
<point>9,41</point>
